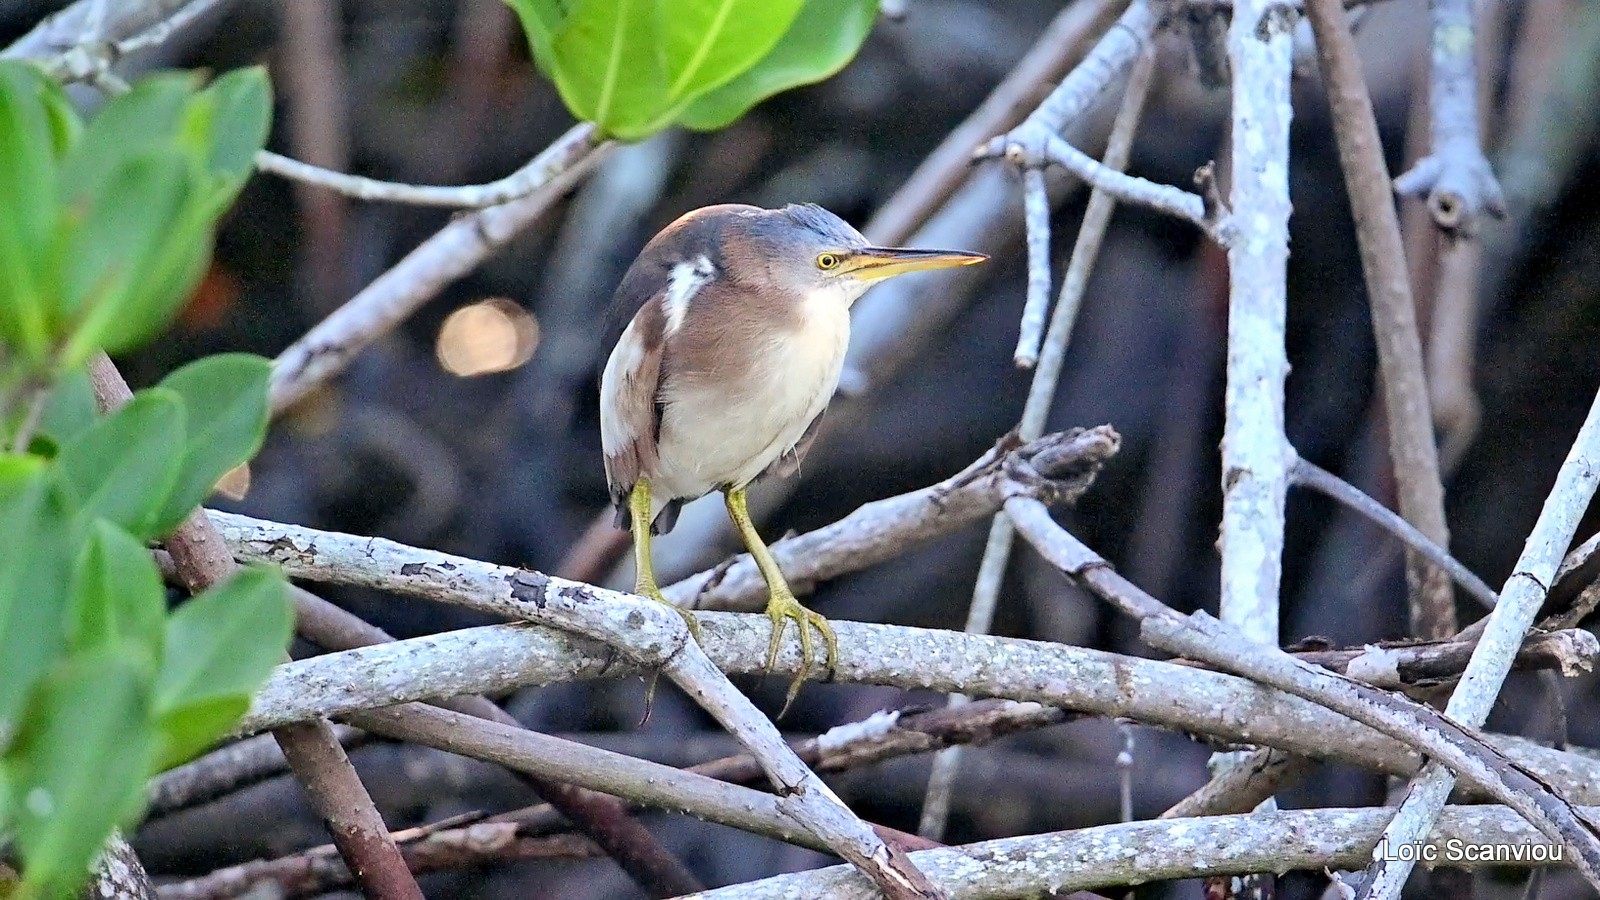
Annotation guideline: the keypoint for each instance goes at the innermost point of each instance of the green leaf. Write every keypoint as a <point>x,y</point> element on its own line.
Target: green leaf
<point>65,124</point>
<point>35,571</point>
<point>27,209</point>
<point>78,767</point>
<point>118,602</point>
<point>706,43</point>
<point>541,19</point>
<point>220,646</point>
<point>606,67</point>
<point>144,120</point>
<point>124,466</point>
<point>241,118</point>
<point>70,408</point>
<point>825,36</point>
<point>118,256</point>
<point>225,400</point>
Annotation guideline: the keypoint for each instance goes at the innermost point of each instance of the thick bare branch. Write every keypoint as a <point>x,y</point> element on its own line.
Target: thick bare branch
<point>650,634</point>
<point>1255,453</point>
<point>1141,852</point>
<point>503,657</point>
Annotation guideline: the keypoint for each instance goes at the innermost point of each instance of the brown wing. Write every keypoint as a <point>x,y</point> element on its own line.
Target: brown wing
<point>630,418</point>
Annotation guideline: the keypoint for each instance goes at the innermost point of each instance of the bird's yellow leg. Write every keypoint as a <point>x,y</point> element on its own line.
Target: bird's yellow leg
<point>644,582</point>
<point>782,605</point>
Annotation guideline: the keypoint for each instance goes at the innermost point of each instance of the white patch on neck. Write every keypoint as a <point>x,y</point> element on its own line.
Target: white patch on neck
<point>686,280</point>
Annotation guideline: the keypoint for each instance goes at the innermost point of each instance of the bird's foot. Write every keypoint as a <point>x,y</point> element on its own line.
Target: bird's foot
<point>654,593</point>
<point>688,617</point>
<point>780,609</point>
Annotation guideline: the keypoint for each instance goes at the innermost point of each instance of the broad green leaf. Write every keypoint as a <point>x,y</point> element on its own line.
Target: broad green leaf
<point>225,126</point>
<point>133,232</point>
<point>118,602</point>
<point>65,124</point>
<point>541,19</point>
<point>70,408</point>
<point>606,67</point>
<point>78,767</point>
<point>144,120</point>
<point>123,467</point>
<point>241,117</point>
<point>186,731</point>
<point>704,44</point>
<point>35,571</point>
<point>226,412</point>
<point>825,36</point>
<point>219,648</point>
<point>27,209</point>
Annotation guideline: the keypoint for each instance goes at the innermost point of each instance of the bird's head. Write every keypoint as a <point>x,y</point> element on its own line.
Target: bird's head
<point>809,251</point>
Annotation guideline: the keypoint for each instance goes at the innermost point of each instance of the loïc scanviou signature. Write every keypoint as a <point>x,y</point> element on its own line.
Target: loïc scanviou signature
<point>1456,850</point>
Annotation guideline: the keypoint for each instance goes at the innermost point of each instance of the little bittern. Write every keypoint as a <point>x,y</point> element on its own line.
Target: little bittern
<point>723,374</point>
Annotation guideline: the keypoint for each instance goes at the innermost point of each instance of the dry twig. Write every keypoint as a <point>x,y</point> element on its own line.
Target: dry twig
<point>1394,324</point>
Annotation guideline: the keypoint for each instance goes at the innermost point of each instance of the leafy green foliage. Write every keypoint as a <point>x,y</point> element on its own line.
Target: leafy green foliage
<point>118,602</point>
<point>220,647</point>
<point>824,37</point>
<point>34,573</point>
<point>78,766</point>
<point>104,229</point>
<point>634,67</point>
<point>123,467</point>
<point>226,400</point>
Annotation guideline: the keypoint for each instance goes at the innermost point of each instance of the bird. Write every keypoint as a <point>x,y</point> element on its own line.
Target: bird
<point>722,375</point>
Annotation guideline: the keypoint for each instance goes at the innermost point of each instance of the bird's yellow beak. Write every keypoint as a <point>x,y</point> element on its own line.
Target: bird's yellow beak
<point>875,263</point>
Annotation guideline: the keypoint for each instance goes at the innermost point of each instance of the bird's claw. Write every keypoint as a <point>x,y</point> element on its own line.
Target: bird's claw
<point>780,609</point>
<point>653,593</point>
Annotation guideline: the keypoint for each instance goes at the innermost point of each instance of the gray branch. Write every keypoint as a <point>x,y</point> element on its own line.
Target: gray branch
<point>1519,604</point>
<point>653,636</point>
<point>499,658</point>
<point>1456,177</point>
<point>1168,849</point>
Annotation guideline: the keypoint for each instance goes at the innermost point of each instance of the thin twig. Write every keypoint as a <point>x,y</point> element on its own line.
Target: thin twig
<point>1041,395</point>
<point>456,249</point>
<point>1309,475</point>
<point>1064,41</point>
<point>532,176</point>
<point>319,870</point>
<point>1456,177</point>
<point>335,791</point>
<point>1519,604</point>
<point>1036,211</point>
<point>1405,388</point>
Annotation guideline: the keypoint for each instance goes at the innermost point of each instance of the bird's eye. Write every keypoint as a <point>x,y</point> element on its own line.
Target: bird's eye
<point>827,261</point>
